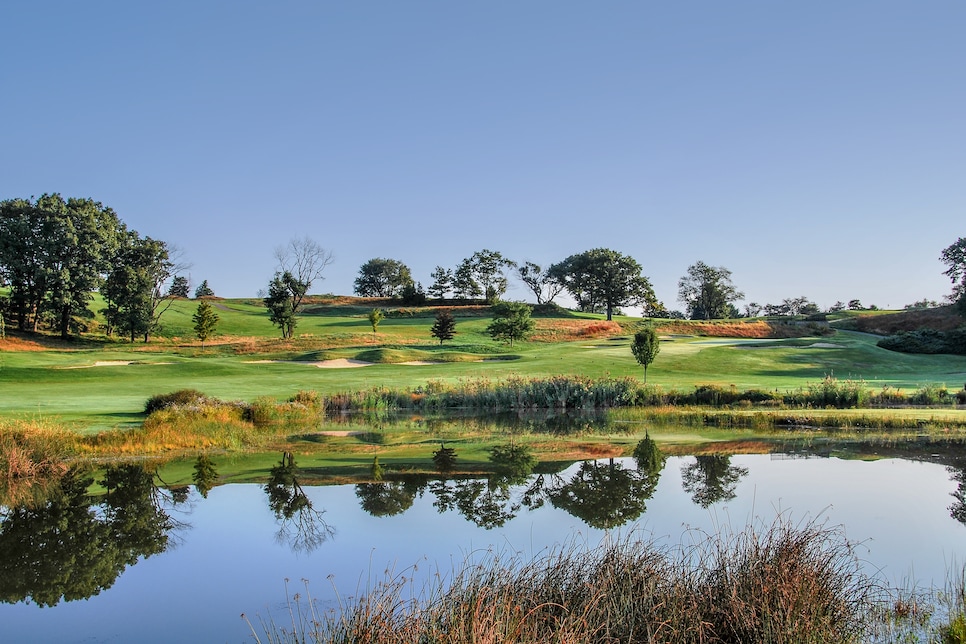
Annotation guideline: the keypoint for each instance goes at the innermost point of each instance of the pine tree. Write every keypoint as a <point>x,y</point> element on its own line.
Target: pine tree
<point>445,326</point>
<point>203,290</point>
<point>205,320</point>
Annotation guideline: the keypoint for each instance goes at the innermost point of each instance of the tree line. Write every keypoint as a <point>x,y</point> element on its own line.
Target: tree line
<point>56,252</point>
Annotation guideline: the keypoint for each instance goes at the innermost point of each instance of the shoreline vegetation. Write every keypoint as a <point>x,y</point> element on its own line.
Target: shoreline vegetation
<point>186,422</point>
<point>780,582</point>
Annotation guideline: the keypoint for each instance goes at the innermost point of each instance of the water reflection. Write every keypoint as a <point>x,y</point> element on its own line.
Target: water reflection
<point>72,545</point>
<point>300,524</point>
<point>389,498</point>
<point>712,479</point>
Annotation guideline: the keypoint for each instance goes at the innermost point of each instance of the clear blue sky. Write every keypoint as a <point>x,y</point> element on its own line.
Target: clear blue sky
<point>814,148</point>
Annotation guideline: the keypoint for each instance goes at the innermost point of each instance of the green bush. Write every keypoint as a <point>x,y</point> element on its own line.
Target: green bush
<point>182,397</point>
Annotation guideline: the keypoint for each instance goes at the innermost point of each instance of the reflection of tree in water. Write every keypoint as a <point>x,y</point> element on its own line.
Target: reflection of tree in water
<point>712,479</point>
<point>488,503</point>
<point>205,475</point>
<point>72,546</point>
<point>301,526</point>
<point>604,495</point>
<point>958,474</point>
<point>389,498</point>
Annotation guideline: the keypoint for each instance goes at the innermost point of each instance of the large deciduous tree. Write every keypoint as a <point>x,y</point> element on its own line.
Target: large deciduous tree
<point>954,257</point>
<point>544,286</point>
<point>483,274</point>
<point>381,277</point>
<point>604,279</point>
<point>708,292</point>
<point>53,254</point>
<point>134,288</point>
<point>300,263</point>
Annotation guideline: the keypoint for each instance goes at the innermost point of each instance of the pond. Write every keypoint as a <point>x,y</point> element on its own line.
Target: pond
<point>153,565</point>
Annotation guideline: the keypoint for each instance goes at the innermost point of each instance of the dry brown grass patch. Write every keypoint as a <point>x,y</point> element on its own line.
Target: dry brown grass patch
<point>556,330</point>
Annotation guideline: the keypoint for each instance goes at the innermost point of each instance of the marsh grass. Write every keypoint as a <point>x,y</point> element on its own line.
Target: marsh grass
<point>776,583</point>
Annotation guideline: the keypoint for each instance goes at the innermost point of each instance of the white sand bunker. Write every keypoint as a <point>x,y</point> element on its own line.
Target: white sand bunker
<point>338,363</point>
<point>419,363</point>
<point>101,363</point>
<point>824,345</point>
<point>341,363</point>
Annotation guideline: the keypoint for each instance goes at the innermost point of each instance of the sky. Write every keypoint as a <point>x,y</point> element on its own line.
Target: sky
<point>815,149</point>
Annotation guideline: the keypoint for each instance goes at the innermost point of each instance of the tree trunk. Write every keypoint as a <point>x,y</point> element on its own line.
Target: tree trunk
<point>65,322</point>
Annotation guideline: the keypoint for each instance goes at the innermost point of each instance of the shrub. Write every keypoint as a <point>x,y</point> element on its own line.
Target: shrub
<point>180,398</point>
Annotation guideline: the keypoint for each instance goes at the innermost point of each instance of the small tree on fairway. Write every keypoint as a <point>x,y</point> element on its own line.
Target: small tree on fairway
<point>511,321</point>
<point>646,346</point>
<point>203,290</point>
<point>444,328</point>
<point>375,317</point>
<point>205,320</point>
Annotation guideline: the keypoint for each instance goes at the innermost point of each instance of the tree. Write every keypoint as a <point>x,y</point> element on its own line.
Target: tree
<point>382,278</point>
<point>53,254</point>
<point>645,347</point>
<point>134,289</point>
<point>205,320</point>
<point>511,321</point>
<point>483,274</point>
<point>300,263</point>
<point>444,328</point>
<point>855,305</point>
<point>279,303</point>
<point>375,317</point>
<point>204,290</point>
<point>954,257</point>
<point>442,282</point>
<point>544,286</point>
<point>179,286</point>
<point>603,278</point>
<point>707,291</point>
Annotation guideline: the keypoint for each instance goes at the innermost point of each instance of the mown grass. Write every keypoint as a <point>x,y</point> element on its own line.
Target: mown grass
<point>60,380</point>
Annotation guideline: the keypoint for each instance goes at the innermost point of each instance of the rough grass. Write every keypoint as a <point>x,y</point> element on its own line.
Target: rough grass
<point>943,318</point>
<point>777,583</point>
<point>755,328</point>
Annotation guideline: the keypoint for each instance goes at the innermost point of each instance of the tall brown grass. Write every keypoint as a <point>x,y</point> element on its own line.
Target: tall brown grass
<point>779,583</point>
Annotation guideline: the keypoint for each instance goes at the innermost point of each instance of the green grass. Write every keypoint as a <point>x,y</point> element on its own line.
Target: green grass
<point>52,384</point>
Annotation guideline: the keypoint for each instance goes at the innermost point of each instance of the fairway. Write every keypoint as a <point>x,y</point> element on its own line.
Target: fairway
<point>105,384</point>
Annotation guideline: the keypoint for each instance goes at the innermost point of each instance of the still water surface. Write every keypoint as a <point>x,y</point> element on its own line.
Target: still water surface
<point>230,553</point>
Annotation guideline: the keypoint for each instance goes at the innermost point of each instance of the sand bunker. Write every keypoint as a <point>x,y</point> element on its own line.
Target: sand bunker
<point>338,363</point>
<point>419,363</point>
<point>112,363</point>
<point>341,363</point>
